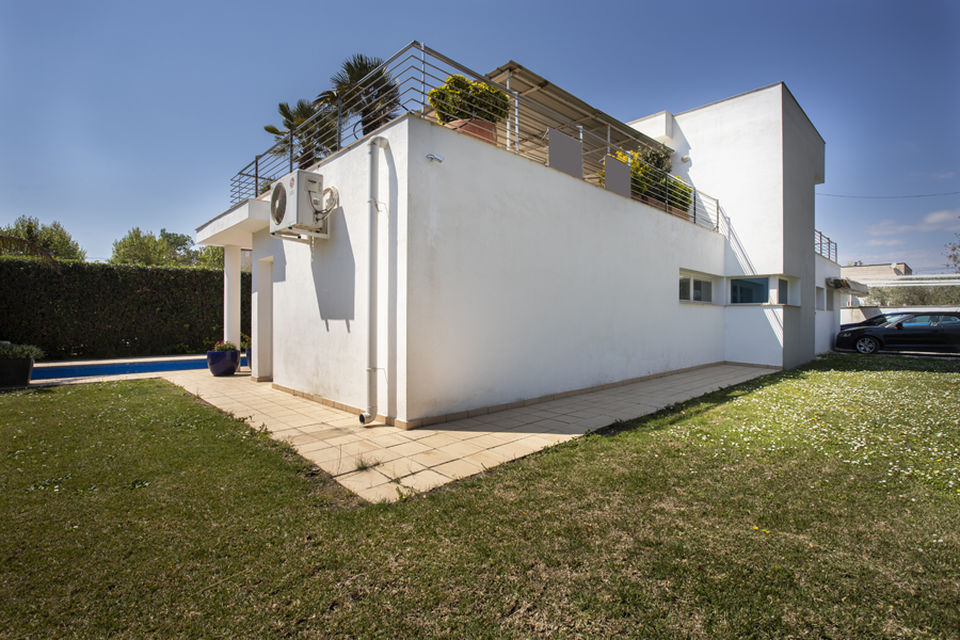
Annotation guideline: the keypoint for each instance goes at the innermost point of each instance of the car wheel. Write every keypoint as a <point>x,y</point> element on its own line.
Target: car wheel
<point>866,344</point>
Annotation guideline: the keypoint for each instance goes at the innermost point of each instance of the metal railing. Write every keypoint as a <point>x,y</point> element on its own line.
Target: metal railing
<point>824,246</point>
<point>402,84</point>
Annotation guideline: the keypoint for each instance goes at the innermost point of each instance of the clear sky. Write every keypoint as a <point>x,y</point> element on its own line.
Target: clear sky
<point>123,114</point>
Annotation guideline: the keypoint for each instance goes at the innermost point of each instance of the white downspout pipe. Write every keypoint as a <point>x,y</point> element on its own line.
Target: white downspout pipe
<point>370,414</point>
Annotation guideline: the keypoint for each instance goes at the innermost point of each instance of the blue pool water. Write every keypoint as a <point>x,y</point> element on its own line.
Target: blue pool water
<point>68,370</point>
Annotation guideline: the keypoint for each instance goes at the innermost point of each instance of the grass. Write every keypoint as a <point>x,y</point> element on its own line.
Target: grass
<point>816,503</point>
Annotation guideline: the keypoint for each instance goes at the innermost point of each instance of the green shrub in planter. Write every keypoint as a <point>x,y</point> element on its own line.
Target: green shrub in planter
<point>16,363</point>
<point>461,99</point>
<point>680,194</point>
<point>10,351</point>
<point>649,177</point>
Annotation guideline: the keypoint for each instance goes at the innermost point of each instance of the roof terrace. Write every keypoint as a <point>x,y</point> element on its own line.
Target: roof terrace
<point>542,122</point>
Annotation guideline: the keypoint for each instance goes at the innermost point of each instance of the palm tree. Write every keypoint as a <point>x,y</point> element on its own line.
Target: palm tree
<point>362,87</point>
<point>314,131</point>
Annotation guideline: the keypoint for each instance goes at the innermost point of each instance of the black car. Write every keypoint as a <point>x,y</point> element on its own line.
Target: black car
<point>938,331</point>
<point>876,320</point>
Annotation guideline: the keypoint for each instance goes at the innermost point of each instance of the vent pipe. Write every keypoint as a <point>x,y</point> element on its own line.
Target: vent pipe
<point>370,414</point>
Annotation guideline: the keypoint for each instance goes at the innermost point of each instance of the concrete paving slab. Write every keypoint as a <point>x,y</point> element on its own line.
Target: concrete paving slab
<point>425,458</point>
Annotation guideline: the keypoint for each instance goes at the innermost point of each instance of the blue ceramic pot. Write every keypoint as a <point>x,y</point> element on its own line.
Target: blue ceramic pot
<point>15,372</point>
<point>223,363</point>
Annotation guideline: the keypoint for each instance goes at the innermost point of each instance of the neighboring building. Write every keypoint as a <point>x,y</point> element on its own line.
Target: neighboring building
<point>858,270</point>
<point>487,279</point>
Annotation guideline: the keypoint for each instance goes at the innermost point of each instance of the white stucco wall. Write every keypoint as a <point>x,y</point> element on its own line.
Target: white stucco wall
<point>803,166</point>
<point>735,151</point>
<point>524,281</point>
<point>826,321</point>
<point>320,290</point>
<point>760,156</point>
<point>754,334</point>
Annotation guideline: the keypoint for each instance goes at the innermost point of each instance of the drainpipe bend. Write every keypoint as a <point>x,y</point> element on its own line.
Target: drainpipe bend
<point>370,413</point>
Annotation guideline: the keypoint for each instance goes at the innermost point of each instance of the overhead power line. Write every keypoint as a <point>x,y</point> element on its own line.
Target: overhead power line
<point>916,195</point>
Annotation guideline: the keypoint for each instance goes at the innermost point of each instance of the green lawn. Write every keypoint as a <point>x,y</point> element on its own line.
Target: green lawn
<point>819,503</point>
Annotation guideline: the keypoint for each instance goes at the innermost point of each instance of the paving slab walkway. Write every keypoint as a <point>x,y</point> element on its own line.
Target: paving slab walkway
<point>381,462</point>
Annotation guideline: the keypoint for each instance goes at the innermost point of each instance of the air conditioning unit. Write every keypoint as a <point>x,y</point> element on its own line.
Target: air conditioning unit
<point>297,207</point>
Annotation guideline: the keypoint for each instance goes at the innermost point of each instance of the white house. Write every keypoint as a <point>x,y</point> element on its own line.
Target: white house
<point>454,275</point>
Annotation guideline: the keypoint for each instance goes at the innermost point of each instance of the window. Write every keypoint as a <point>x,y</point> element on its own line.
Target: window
<point>783,289</point>
<point>952,321</point>
<point>702,290</point>
<point>749,290</point>
<point>919,322</point>
<point>830,294</point>
<point>821,298</point>
<point>696,289</point>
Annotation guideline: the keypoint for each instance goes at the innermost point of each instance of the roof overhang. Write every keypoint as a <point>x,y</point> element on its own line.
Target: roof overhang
<point>568,106</point>
<point>236,226</point>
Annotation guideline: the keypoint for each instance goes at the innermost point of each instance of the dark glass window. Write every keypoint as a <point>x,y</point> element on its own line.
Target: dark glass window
<point>748,290</point>
<point>703,290</point>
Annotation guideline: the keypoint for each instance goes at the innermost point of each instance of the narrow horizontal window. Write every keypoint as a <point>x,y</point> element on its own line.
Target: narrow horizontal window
<point>749,290</point>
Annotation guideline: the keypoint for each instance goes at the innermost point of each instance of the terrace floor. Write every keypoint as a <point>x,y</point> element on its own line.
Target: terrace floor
<point>381,462</point>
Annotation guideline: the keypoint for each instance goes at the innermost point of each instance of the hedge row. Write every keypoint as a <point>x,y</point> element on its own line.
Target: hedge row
<point>94,310</point>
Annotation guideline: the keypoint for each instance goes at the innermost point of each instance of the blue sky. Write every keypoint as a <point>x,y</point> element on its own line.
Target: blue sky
<point>123,114</point>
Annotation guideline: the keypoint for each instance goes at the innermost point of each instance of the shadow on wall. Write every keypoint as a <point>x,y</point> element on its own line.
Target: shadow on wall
<point>335,273</point>
<point>735,245</point>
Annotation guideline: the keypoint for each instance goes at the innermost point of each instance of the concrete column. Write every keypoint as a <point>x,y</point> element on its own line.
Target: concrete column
<point>231,294</point>
<point>261,325</point>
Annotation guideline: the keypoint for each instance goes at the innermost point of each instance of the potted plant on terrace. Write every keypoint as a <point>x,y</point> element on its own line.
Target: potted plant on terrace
<point>474,108</point>
<point>245,346</point>
<point>16,363</point>
<point>224,359</point>
<point>651,182</point>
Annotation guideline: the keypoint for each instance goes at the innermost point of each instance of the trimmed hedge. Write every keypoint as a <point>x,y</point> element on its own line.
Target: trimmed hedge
<point>95,310</point>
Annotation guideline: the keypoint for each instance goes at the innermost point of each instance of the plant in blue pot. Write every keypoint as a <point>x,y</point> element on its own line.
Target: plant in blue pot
<point>245,347</point>
<point>224,360</point>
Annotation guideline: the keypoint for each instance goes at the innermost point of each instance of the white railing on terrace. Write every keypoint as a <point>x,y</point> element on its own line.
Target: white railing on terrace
<point>824,246</point>
<point>401,86</point>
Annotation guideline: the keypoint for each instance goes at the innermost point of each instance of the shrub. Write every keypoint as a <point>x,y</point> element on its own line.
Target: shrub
<point>96,310</point>
<point>680,194</point>
<point>225,345</point>
<point>649,177</point>
<point>461,99</point>
<point>16,351</point>
<point>915,296</point>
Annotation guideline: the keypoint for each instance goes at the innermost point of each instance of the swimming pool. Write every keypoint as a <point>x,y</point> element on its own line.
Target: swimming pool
<point>92,369</point>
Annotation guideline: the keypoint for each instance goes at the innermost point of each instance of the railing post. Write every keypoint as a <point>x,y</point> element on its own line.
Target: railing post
<point>291,150</point>
<point>716,224</point>
<point>256,176</point>
<point>423,81</point>
<point>694,206</point>
<point>339,124</point>
<point>508,119</point>
<point>516,120</point>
